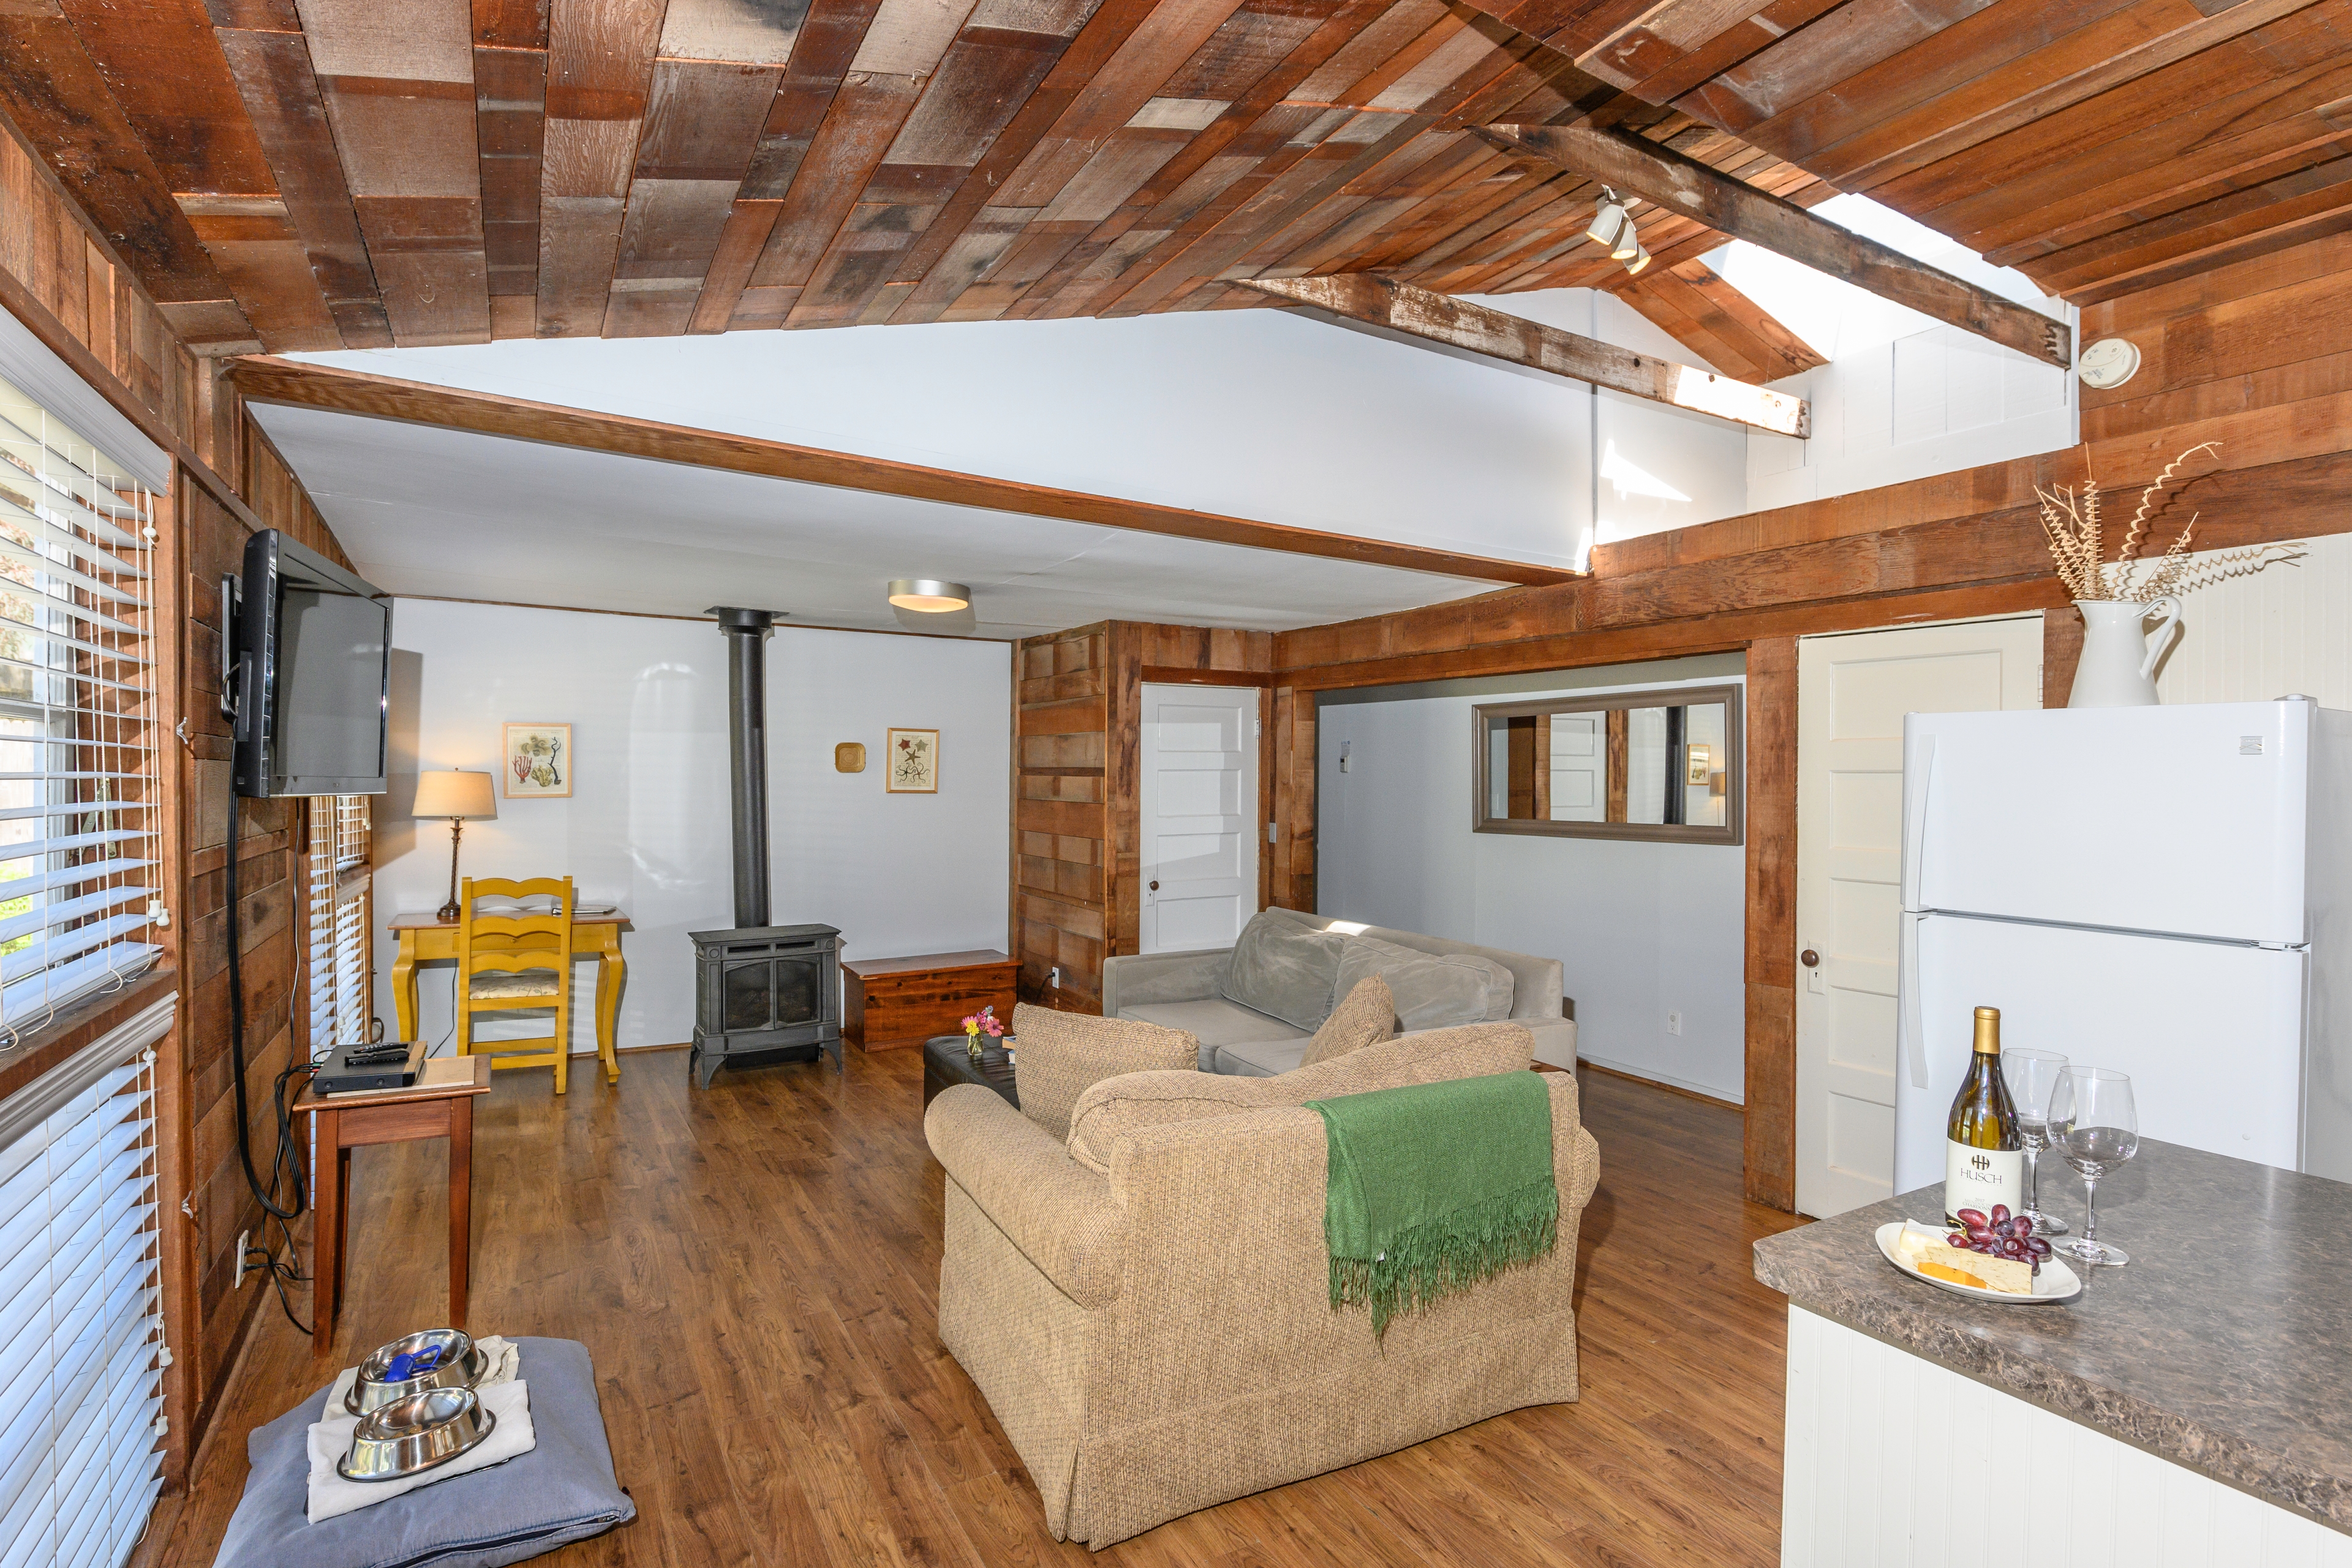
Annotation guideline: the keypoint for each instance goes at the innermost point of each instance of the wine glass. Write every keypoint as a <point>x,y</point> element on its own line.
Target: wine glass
<point>2092,1122</point>
<point>2031,1076</point>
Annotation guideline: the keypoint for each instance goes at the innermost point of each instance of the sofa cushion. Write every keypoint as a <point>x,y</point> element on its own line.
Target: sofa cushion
<point>1109,1111</point>
<point>1433,991</point>
<point>1260,1058</point>
<point>1284,970</point>
<point>1366,1017</point>
<point>1215,1022</point>
<point>1059,1054</point>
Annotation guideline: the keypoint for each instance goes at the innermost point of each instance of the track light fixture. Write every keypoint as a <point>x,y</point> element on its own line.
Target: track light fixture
<point>1613,229</point>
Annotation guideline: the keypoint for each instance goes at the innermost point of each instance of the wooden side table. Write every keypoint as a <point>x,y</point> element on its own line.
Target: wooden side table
<point>887,1003</point>
<point>343,1122</point>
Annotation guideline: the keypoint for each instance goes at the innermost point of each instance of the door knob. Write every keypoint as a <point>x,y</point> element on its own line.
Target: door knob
<point>1809,958</point>
<point>1155,886</point>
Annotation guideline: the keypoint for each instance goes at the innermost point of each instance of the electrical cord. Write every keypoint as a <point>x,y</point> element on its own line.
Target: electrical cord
<point>286,1162</point>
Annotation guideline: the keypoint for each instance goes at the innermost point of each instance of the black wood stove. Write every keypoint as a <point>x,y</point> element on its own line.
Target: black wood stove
<point>762,992</point>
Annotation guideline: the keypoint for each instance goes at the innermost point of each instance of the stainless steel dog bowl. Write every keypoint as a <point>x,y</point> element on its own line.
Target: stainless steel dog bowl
<point>413,1434</point>
<point>461,1365</point>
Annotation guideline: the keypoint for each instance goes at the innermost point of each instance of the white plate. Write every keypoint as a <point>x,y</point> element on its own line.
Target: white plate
<point>2055,1286</point>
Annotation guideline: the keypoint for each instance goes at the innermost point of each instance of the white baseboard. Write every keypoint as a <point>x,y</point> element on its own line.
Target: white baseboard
<point>1652,1076</point>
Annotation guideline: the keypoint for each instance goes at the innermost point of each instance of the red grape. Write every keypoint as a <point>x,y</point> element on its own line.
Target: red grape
<point>1973,1219</point>
<point>1958,1240</point>
<point>1999,1215</point>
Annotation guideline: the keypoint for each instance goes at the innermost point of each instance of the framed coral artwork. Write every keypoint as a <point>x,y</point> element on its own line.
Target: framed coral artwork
<point>537,762</point>
<point>914,760</point>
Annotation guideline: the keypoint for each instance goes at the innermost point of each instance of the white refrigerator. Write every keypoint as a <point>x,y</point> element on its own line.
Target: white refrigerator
<point>2167,891</point>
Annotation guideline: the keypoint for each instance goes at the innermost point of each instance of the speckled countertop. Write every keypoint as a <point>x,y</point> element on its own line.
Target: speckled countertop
<point>2225,1345</point>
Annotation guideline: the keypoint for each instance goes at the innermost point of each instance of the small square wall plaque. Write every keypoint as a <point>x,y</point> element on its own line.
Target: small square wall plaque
<point>849,757</point>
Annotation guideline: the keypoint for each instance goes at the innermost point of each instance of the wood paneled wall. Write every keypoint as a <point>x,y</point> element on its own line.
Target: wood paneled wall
<point>1077,709</point>
<point>59,278</point>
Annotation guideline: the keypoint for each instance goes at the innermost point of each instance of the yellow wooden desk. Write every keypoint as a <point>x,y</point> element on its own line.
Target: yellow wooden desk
<point>423,939</point>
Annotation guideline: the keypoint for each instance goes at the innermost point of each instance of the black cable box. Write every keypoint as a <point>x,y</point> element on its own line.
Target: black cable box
<point>356,1066</point>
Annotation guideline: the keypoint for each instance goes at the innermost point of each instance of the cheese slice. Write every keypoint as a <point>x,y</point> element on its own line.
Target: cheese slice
<point>1961,1267</point>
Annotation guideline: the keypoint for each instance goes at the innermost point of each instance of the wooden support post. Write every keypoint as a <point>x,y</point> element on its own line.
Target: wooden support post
<point>1461,324</point>
<point>1637,167</point>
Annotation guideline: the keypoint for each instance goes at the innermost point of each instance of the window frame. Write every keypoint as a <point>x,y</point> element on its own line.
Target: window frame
<point>1732,832</point>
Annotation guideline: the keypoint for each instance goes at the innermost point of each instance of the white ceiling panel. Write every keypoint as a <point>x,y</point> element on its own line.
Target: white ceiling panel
<point>443,513</point>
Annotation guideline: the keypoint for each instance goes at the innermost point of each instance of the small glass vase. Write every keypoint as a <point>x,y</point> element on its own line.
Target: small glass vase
<point>976,1043</point>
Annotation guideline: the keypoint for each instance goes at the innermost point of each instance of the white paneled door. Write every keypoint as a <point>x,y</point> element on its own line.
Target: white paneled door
<point>1579,766</point>
<point>1852,694</point>
<point>1199,828</point>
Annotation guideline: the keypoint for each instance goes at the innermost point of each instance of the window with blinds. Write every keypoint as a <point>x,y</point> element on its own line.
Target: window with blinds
<point>81,1350</point>
<point>79,803</point>
<point>340,1005</point>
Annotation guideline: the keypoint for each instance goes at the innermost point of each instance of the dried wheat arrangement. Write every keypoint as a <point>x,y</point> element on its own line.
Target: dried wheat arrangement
<point>2077,532</point>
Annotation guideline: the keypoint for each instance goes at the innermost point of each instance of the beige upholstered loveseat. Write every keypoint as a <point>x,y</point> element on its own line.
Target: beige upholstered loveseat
<point>1260,1029</point>
<point>1147,1308</point>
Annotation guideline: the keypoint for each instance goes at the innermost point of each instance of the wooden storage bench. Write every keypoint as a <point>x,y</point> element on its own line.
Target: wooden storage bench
<point>888,1003</point>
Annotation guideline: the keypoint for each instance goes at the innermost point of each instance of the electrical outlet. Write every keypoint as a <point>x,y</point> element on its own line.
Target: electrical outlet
<point>1054,978</point>
<point>1674,1023</point>
<point>243,1239</point>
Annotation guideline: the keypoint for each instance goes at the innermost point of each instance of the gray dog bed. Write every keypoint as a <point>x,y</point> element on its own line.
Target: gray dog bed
<point>562,1491</point>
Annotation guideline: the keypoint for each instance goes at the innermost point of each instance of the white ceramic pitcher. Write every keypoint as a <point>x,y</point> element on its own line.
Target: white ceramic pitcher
<point>2117,668</point>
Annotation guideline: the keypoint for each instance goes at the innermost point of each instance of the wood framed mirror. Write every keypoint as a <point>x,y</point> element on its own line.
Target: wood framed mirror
<point>1662,765</point>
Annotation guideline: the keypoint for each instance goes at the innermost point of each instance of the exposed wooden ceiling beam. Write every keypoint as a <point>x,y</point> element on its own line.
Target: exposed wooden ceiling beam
<point>266,379</point>
<point>1682,185</point>
<point>1459,323</point>
<point>1697,308</point>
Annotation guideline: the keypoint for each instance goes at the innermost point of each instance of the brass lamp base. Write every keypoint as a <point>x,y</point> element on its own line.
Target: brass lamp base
<point>447,913</point>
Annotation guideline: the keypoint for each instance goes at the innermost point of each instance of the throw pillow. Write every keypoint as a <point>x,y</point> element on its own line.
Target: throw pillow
<point>1108,1114</point>
<point>1057,1055</point>
<point>1284,970</point>
<point>1366,1019</point>
<point>1433,989</point>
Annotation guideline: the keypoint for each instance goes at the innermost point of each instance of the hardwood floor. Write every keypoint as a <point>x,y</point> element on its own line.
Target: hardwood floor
<point>754,1269</point>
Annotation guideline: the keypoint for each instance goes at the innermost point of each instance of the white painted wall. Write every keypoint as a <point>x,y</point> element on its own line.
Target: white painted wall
<point>1903,398</point>
<point>2254,638</point>
<point>1378,436</point>
<point>647,826</point>
<point>1639,929</point>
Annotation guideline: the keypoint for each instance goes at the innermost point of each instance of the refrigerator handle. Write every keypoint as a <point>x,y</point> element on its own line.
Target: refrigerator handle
<point>1910,1021</point>
<point>1918,770</point>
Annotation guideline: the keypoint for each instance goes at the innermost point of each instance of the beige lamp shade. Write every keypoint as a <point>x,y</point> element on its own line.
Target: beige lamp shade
<point>455,794</point>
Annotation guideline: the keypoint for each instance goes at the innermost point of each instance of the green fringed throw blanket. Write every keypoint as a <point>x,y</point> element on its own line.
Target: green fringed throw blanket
<point>1435,1187</point>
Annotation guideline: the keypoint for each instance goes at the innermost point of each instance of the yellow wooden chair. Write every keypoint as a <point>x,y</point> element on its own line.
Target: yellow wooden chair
<point>514,961</point>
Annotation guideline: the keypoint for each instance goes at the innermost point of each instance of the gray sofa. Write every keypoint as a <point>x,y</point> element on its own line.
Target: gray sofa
<point>1193,992</point>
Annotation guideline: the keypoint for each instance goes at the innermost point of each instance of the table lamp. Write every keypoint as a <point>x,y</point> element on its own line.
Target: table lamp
<point>462,797</point>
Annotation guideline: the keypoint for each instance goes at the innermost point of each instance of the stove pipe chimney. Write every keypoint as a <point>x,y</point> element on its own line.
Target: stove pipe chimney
<point>746,632</point>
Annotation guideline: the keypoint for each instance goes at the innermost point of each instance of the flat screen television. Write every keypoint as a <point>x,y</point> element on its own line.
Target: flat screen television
<point>308,669</point>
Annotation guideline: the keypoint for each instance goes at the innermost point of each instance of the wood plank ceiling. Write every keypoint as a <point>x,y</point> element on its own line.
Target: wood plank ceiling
<point>291,175</point>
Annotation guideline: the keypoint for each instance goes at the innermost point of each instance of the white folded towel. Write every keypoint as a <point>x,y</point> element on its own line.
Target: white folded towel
<point>501,1393</point>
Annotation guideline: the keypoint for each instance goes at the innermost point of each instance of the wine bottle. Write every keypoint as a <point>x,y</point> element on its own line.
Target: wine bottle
<point>1983,1155</point>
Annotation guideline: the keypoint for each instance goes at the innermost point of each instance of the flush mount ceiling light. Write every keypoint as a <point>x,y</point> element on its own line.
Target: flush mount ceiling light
<point>1612,227</point>
<point>928,596</point>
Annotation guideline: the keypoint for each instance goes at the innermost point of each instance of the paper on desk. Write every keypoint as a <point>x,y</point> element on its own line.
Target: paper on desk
<point>442,1073</point>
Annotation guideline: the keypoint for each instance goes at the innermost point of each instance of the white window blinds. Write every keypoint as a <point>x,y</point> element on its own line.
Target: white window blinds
<point>79,803</point>
<point>340,1007</point>
<point>81,1352</point>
